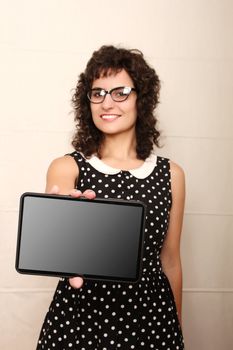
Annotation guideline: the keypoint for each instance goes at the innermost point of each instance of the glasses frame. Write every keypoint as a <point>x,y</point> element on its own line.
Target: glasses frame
<point>106,92</point>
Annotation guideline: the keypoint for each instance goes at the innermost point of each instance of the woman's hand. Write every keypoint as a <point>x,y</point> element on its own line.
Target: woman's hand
<point>89,194</point>
<point>75,282</point>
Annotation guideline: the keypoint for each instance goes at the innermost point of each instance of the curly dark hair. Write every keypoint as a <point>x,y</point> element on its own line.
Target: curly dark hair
<point>108,59</point>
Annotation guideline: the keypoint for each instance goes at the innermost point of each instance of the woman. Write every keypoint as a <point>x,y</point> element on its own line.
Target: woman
<point>114,157</point>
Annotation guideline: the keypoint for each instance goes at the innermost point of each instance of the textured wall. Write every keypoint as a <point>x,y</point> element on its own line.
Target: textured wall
<point>44,45</point>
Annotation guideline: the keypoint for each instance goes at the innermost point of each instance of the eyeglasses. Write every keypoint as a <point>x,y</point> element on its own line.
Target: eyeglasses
<point>118,94</point>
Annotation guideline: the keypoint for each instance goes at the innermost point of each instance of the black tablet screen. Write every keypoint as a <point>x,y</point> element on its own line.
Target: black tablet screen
<point>60,235</point>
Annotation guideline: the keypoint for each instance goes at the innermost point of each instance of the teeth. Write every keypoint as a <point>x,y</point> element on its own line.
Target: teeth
<point>108,116</point>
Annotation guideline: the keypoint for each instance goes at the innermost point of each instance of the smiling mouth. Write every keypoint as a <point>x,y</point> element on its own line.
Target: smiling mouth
<point>109,117</point>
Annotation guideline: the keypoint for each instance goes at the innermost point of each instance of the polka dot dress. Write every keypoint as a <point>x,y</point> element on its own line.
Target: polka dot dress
<point>108,315</point>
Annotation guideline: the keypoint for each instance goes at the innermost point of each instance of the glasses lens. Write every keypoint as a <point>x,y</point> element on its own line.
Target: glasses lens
<point>96,95</point>
<point>120,94</point>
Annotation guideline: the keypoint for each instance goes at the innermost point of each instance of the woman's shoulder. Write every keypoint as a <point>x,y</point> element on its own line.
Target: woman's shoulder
<point>177,179</point>
<point>167,162</point>
<point>176,169</point>
<point>64,164</point>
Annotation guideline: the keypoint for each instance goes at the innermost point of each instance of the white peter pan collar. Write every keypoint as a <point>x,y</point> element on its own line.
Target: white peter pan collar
<point>141,172</point>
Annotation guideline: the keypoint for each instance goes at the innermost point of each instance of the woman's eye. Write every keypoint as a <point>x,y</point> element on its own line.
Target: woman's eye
<point>120,93</point>
<point>96,93</point>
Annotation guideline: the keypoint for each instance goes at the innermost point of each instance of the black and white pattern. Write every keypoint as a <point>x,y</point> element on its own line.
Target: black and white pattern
<point>108,315</point>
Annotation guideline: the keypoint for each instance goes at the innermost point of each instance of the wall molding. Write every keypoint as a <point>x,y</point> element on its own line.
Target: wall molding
<point>198,213</point>
<point>208,290</point>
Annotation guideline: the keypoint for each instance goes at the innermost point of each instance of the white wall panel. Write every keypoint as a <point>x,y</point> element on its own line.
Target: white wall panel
<point>36,94</point>
<point>206,254</point>
<point>208,164</point>
<point>196,99</point>
<point>22,315</point>
<point>165,28</point>
<point>24,167</point>
<point>208,321</point>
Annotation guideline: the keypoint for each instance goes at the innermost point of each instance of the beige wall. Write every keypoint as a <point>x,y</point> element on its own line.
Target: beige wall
<point>43,47</point>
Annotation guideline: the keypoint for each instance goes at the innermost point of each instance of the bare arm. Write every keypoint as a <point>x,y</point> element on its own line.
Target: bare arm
<point>170,255</point>
<point>63,173</point>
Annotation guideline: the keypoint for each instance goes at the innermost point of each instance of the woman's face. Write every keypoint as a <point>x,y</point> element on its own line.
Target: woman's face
<point>112,117</point>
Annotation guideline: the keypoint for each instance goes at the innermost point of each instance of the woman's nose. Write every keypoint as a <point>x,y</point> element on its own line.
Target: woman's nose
<point>107,102</point>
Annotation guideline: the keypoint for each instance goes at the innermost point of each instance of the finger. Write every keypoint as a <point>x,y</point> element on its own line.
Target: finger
<point>75,193</point>
<point>90,194</point>
<point>76,282</point>
<point>54,190</point>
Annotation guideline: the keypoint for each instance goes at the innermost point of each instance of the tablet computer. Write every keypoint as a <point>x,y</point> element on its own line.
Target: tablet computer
<point>65,236</point>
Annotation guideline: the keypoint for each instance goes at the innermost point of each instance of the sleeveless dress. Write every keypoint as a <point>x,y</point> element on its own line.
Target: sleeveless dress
<point>108,315</point>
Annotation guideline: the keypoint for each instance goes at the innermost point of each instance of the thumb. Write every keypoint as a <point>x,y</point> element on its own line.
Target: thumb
<point>76,282</point>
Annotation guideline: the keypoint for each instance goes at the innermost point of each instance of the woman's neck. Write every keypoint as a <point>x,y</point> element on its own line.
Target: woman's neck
<point>120,152</point>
